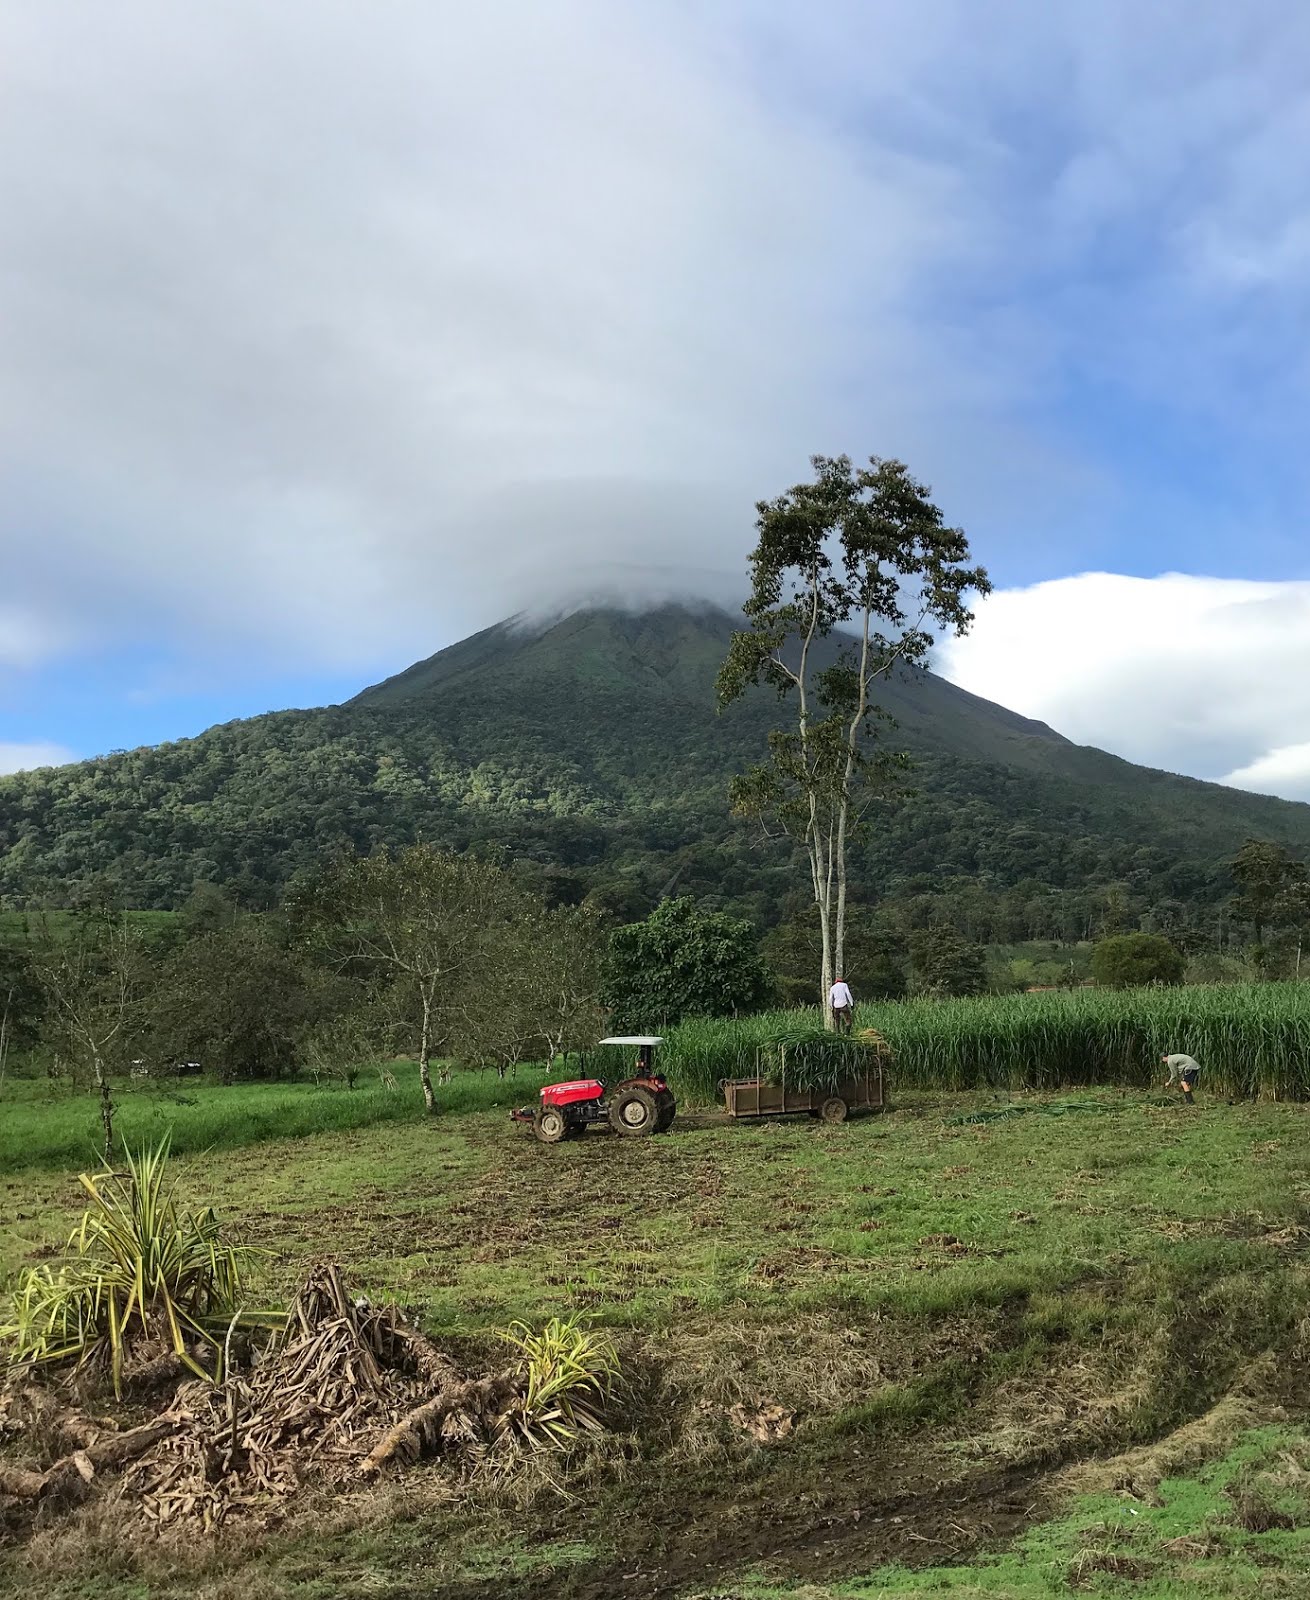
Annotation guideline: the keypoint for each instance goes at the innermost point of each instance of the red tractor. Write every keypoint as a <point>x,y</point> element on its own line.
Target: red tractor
<point>639,1104</point>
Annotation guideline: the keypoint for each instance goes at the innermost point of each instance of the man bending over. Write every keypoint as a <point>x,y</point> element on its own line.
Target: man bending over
<point>1182,1071</point>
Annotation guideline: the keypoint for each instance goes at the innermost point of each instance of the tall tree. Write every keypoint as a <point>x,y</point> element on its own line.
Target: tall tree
<point>1271,885</point>
<point>864,555</point>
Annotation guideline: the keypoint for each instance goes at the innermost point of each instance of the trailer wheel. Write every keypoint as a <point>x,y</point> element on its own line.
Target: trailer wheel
<point>549,1125</point>
<point>833,1110</point>
<point>666,1108</point>
<point>633,1112</point>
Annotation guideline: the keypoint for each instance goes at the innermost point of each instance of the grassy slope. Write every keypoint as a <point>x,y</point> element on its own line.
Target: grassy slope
<point>954,1310</point>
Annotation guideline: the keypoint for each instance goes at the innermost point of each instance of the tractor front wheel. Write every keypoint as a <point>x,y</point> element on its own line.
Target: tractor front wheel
<point>549,1125</point>
<point>634,1111</point>
<point>665,1109</point>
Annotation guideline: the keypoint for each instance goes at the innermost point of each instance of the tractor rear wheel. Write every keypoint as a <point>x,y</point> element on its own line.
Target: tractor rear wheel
<point>833,1110</point>
<point>634,1111</point>
<point>549,1125</point>
<point>665,1110</point>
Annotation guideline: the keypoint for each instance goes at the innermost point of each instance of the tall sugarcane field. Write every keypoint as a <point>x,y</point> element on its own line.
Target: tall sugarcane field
<point>1254,1040</point>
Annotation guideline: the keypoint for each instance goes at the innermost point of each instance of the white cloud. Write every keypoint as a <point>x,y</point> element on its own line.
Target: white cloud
<point>1284,771</point>
<point>27,757</point>
<point>325,324</point>
<point>338,330</point>
<point>1200,675</point>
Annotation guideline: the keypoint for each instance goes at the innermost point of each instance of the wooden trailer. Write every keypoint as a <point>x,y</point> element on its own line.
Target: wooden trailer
<point>861,1090</point>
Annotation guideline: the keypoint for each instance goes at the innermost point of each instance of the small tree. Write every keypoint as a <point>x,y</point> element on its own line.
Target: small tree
<point>862,550</point>
<point>92,978</point>
<point>683,962</point>
<point>548,995</point>
<point>428,929</point>
<point>1129,960</point>
<point>239,1000</point>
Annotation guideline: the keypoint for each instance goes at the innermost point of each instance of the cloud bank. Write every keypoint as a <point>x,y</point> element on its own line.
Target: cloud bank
<point>333,332</point>
<point>1205,676</point>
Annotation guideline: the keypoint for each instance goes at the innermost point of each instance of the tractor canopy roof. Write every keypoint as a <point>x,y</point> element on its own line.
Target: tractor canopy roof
<point>634,1038</point>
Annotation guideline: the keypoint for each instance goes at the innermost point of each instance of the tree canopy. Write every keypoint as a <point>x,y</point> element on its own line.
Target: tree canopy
<point>1128,960</point>
<point>681,962</point>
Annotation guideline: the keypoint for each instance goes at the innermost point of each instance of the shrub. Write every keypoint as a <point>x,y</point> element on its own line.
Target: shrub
<point>1129,960</point>
<point>683,962</point>
<point>569,1370</point>
<point>137,1268</point>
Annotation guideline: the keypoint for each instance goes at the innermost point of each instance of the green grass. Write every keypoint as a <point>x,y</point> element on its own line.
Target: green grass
<point>1252,1040</point>
<point>42,1126</point>
<point>16,927</point>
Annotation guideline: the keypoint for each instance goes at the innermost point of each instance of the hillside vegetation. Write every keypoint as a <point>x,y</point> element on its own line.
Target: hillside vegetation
<point>591,751</point>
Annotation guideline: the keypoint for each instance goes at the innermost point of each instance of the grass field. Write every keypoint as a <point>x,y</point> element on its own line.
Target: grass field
<point>44,1126</point>
<point>1056,1352</point>
<point>18,926</point>
<point>1253,1040</point>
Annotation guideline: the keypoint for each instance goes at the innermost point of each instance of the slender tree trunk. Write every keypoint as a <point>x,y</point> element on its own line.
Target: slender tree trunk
<point>424,1049</point>
<point>844,804</point>
<point>106,1104</point>
<point>4,1037</point>
<point>820,851</point>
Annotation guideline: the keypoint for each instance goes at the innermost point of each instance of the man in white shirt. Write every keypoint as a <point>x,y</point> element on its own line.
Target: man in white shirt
<point>843,1005</point>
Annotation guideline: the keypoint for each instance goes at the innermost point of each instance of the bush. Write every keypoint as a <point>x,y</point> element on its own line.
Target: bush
<point>683,962</point>
<point>1130,960</point>
<point>139,1268</point>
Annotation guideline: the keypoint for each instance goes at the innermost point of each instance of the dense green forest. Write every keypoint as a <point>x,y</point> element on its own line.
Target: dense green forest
<point>589,753</point>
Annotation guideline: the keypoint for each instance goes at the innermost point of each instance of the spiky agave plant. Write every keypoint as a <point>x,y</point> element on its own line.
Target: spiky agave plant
<point>570,1371</point>
<point>137,1267</point>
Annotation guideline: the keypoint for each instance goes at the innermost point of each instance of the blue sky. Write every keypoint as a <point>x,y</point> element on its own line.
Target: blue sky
<point>334,333</point>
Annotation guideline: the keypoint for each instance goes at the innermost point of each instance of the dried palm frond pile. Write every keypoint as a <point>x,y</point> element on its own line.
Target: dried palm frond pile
<point>345,1390</point>
<point>338,1383</point>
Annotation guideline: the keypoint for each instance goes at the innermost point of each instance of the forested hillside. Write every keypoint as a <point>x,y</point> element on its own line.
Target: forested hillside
<point>590,750</point>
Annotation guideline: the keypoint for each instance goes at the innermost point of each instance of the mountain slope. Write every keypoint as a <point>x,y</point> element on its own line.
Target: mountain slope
<point>590,746</point>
